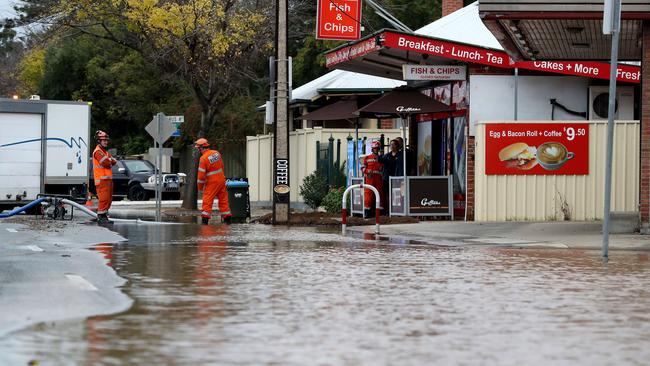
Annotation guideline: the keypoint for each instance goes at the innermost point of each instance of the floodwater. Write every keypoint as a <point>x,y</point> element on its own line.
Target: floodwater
<point>255,295</point>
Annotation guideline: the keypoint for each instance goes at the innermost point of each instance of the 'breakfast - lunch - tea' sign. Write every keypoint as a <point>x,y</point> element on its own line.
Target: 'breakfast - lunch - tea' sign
<point>537,149</point>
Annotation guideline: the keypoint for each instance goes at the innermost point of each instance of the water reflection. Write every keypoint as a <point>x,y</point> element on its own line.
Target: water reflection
<point>251,294</point>
<point>209,272</point>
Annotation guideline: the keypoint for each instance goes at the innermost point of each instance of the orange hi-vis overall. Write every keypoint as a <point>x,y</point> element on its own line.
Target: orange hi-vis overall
<point>212,178</point>
<point>372,172</point>
<point>103,174</point>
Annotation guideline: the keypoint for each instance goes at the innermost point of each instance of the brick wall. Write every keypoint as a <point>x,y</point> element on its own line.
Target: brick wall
<point>450,6</point>
<point>470,177</point>
<point>386,123</point>
<point>644,199</point>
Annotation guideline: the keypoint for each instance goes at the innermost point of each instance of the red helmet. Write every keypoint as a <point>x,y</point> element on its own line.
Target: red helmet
<point>201,143</point>
<point>375,145</point>
<point>101,135</point>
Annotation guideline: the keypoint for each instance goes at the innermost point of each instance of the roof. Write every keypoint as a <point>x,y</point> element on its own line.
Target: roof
<point>464,26</point>
<point>574,6</point>
<point>343,80</point>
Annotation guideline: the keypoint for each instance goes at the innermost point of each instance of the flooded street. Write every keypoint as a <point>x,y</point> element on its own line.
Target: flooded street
<point>251,295</point>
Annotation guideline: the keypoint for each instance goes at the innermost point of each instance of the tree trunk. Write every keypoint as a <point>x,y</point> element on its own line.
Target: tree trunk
<point>191,190</point>
<point>191,193</point>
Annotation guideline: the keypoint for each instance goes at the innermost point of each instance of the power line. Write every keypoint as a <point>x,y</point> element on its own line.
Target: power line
<point>372,30</point>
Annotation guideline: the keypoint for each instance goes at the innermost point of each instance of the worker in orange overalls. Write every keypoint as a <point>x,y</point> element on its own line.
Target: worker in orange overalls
<point>103,175</point>
<point>212,178</point>
<point>373,174</point>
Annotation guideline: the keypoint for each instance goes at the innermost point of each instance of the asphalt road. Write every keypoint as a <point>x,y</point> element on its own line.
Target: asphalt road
<point>48,274</point>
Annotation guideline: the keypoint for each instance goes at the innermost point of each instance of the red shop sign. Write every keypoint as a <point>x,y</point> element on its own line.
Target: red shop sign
<point>338,19</point>
<point>596,70</point>
<point>351,52</point>
<point>447,49</point>
<point>537,149</point>
<point>478,55</point>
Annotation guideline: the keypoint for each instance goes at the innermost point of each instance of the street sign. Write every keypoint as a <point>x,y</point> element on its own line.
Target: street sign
<point>338,19</point>
<point>160,128</point>
<point>166,128</point>
<point>177,121</point>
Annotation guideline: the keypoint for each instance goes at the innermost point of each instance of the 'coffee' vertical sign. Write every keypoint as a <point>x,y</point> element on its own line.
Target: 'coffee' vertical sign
<point>338,19</point>
<point>281,188</point>
<point>281,209</point>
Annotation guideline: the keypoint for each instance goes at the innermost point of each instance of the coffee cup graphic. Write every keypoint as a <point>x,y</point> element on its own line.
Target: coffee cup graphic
<point>552,155</point>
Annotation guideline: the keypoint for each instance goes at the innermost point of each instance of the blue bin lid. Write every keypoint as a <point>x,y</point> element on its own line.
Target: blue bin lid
<point>236,183</point>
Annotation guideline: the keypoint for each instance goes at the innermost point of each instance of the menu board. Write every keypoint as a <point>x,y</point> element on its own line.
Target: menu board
<point>357,197</point>
<point>430,196</point>
<point>397,196</point>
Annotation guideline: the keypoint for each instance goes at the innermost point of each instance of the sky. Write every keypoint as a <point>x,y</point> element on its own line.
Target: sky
<point>6,8</point>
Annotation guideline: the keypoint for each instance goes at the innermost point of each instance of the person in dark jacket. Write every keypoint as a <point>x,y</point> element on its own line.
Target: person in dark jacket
<point>392,161</point>
<point>410,158</point>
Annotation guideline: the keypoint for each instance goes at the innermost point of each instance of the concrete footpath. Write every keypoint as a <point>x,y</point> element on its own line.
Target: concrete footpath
<point>147,209</point>
<point>571,235</point>
<point>48,274</point>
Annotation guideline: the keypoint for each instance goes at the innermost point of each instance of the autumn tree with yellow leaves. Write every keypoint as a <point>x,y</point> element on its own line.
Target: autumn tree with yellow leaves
<point>208,44</point>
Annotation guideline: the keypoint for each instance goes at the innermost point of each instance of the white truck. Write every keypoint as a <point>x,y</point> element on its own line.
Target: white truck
<point>44,148</point>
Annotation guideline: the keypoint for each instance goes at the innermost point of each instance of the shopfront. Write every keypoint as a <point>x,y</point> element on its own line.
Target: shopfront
<point>496,89</point>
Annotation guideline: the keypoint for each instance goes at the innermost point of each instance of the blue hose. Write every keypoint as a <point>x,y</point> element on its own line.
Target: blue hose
<point>18,210</point>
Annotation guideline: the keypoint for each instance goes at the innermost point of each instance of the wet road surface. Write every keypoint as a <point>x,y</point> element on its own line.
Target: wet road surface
<point>251,295</point>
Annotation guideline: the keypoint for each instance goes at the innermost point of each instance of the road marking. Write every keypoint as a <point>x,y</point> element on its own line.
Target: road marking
<point>12,230</point>
<point>34,248</point>
<point>81,282</point>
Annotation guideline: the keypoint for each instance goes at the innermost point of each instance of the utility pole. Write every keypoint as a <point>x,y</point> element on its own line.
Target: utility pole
<point>281,188</point>
<point>611,25</point>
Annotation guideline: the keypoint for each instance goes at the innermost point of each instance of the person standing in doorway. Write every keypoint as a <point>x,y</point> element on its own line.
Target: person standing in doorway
<point>390,160</point>
<point>410,159</point>
<point>103,175</point>
<point>212,181</point>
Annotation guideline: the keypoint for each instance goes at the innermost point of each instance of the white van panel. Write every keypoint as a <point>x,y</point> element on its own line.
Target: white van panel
<point>67,141</point>
<point>20,154</point>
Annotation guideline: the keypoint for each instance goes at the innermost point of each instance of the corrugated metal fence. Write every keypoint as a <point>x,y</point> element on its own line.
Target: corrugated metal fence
<point>563,197</point>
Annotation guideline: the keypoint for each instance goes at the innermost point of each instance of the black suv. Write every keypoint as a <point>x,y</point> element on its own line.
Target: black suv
<point>136,180</point>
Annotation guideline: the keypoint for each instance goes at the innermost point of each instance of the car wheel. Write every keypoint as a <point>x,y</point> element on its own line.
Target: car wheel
<point>137,193</point>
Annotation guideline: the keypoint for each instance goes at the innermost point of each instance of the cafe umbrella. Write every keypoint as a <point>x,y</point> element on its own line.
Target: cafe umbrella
<point>404,102</point>
<point>341,110</point>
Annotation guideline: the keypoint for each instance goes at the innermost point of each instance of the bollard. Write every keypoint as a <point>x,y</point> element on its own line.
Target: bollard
<point>344,205</point>
<point>377,220</point>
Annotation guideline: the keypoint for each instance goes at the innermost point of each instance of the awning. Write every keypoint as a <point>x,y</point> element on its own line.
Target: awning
<point>405,101</point>
<point>341,110</point>
<point>557,30</point>
<point>385,52</point>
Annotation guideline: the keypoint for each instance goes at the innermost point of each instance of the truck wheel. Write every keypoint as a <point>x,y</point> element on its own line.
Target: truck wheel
<point>137,193</point>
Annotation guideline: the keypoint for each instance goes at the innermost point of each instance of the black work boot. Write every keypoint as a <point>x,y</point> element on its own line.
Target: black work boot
<point>227,219</point>
<point>205,220</point>
<point>102,218</point>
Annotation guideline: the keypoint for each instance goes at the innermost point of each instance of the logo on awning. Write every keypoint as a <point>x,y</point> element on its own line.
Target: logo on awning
<point>402,109</point>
